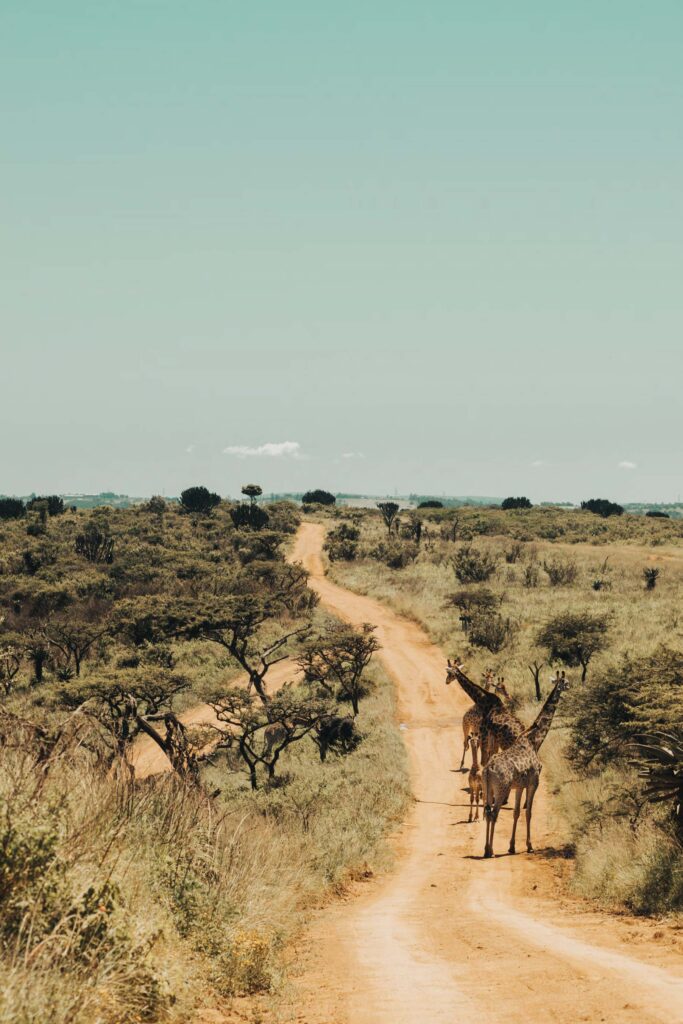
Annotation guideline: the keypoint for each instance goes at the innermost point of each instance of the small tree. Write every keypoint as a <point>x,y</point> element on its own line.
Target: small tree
<point>657,513</point>
<point>341,544</point>
<point>253,492</point>
<point>318,497</point>
<point>336,660</point>
<point>10,663</point>
<point>660,762</point>
<point>573,638</point>
<point>651,575</point>
<point>602,507</point>
<point>261,734</point>
<point>431,503</point>
<point>389,510</point>
<point>199,500</point>
<point>535,669</point>
<point>508,503</point>
<point>473,565</point>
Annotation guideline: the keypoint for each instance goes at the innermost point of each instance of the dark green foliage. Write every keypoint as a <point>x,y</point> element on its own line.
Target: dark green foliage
<point>624,703</point>
<point>250,517</point>
<point>473,565</point>
<point>655,513</point>
<point>54,504</point>
<point>431,503</point>
<point>253,492</point>
<point>508,503</point>
<point>573,638</point>
<point>602,507</point>
<point>651,576</point>
<point>389,510</point>
<point>11,508</point>
<point>199,500</point>
<point>318,497</point>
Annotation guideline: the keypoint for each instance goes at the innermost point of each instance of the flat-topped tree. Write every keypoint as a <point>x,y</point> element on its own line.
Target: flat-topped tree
<point>199,500</point>
<point>253,492</point>
<point>318,497</point>
<point>572,638</point>
<point>389,510</point>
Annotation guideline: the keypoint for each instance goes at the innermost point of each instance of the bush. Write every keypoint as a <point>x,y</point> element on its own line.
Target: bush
<point>430,503</point>
<point>341,544</point>
<point>515,503</point>
<point>602,507</point>
<point>318,497</point>
<point>655,513</point>
<point>395,554</point>
<point>473,565</point>
<point>11,508</point>
<point>514,553</point>
<point>250,516</point>
<point>531,576</point>
<point>560,573</point>
<point>651,575</point>
<point>199,500</point>
<point>491,631</point>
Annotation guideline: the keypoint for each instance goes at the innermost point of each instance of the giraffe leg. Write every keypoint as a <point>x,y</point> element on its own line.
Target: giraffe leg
<point>476,806</point>
<point>531,791</point>
<point>471,802</point>
<point>515,818</point>
<point>466,740</point>
<point>491,819</point>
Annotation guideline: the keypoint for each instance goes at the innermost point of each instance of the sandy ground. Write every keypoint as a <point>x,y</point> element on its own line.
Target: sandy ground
<point>449,937</point>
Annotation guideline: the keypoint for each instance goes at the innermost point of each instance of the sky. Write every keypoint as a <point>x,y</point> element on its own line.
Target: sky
<point>425,247</point>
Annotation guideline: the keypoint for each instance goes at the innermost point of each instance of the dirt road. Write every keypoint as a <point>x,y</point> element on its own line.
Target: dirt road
<point>449,937</point>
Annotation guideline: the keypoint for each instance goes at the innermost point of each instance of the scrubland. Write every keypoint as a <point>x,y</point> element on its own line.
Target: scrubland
<point>126,900</point>
<point>544,564</point>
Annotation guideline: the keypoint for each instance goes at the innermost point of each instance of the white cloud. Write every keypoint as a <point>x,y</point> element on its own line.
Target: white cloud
<point>353,455</point>
<point>190,448</point>
<point>625,464</point>
<point>537,463</point>
<point>271,449</point>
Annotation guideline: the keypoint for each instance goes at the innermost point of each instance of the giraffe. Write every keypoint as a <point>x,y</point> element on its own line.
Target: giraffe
<point>518,768</point>
<point>475,784</point>
<point>498,728</point>
<point>471,720</point>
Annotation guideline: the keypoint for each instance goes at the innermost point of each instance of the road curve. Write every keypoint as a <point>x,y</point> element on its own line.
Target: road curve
<point>448,936</point>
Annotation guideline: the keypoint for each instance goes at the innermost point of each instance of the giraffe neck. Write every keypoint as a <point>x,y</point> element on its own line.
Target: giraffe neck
<point>538,731</point>
<point>477,693</point>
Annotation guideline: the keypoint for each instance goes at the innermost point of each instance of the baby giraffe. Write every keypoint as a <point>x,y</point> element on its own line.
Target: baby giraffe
<point>474,781</point>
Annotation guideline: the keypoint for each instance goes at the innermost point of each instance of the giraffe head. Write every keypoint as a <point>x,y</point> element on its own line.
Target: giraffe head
<point>500,688</point>
<point>452,670</point>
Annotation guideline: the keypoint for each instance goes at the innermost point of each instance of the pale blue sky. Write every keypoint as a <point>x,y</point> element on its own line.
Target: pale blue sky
<point>446,236</point>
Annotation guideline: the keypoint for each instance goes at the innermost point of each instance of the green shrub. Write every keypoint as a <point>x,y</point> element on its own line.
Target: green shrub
<point>473,565</point>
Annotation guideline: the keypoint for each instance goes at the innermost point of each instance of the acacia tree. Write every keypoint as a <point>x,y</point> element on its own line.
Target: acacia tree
<point>10,663</point>
<point>199,500</point>
<point>389,510</point>
<point>260,734</point>
<point>573,638</point>
<point>233,622</point>
<point>336,660</point>
<point>73,639</point>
